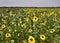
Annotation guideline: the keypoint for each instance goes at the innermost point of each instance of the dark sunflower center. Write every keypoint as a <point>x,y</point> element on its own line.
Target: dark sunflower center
<point>7,34</point>
<point>35,18</point>
<point>42,37</point>
<point>31,39</point>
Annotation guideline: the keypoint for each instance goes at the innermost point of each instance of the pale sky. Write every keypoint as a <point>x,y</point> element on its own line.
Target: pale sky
<point>30,3</point>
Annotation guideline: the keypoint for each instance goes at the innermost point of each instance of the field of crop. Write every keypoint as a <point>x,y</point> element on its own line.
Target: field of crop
<point>29,25</point>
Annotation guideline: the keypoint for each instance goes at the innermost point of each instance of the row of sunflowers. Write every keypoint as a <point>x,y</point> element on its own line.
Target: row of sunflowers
<point>29,25</point>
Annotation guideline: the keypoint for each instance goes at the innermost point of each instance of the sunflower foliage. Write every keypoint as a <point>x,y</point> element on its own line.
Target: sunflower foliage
<point>29,25</point>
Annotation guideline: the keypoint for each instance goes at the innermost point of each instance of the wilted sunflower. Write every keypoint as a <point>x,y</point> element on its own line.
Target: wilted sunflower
<point>35,18</point>
<point>31,39</point>
<point>52,30</point>
<point>7,35</point>
<point>42,37</point>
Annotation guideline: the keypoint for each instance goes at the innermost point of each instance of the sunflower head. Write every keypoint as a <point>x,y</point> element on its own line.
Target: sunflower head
<point>3,26</point>
<point>7,35</point>
<point>31,39</point>
<point>11,14</point>
<point>27,19</point>
<point>42,37</point>
<point>35,18</point>
<point>30,30</point>
<point>52,30</point>
<point>12,41</point>
<point>23,25</point>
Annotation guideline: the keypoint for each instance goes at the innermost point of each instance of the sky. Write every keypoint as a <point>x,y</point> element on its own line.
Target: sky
<point>30,3</point>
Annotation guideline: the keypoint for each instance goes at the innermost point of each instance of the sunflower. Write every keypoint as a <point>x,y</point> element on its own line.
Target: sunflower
<point>31,39</point>
<point>15,30</point>
<point>24,41</point>
<point>11,14</point>
<point>9,30</point>
<point>27,19</point>
<point>5,17</point>
<point>55,19</point>
<point>42,37</point>
<point>12,41</point>
<point>3,26</point>
<point>44,23</point>
<point>7,35</point>
<point>35,18</point>
<point>18,34</point>
<point>50,14</point>
<point>30,30</point>
<point>12,22</point>
<point>23,25</point>
<point>52,30</point>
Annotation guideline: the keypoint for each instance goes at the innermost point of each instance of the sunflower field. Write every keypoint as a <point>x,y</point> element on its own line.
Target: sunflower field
<point>29,25</point>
